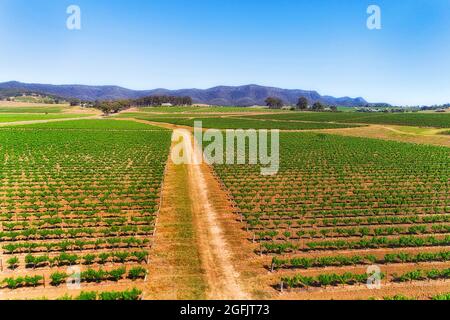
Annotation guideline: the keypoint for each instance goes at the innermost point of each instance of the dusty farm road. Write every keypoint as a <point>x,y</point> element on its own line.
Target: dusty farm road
<point>190,222</point>
<point>222,278</point>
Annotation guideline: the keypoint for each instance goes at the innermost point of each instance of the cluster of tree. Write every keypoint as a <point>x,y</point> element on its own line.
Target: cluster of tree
<point>377,105</point>
<point>302,104</point>
<point>395,110</point>
<point>383,110</point>
<point>115,106</point>
<point>436,107</point>
<point>274,103</point>
<point>160,100</point>
<point>75,102</point>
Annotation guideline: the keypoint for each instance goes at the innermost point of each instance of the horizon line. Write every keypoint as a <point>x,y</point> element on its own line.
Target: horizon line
<point>193,88</point>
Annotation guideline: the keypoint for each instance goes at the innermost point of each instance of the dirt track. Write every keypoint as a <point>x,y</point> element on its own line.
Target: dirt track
<point>221,277</point>
<point>175,266</point>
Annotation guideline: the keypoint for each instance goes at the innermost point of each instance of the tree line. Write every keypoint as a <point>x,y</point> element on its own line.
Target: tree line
<point>302,104</point>
<point>152,101</point>
<point>115,106</point>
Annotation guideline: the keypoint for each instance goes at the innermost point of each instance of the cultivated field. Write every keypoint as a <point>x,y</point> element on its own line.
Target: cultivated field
<point>241,123</point>
<point>19,108</point>
<point>205,109</point>
<point>38,107</point>
<point>23,113</point>
<point>101,195</point>
<point>437,120</point>
<point>32,117</point>
<point>87,197</point>
<point>341,204</point>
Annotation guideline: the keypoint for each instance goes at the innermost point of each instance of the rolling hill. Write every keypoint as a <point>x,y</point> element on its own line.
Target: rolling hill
<point>246,95</point>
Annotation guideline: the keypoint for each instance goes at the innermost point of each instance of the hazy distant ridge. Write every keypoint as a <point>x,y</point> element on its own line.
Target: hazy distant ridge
<point>247,95</point>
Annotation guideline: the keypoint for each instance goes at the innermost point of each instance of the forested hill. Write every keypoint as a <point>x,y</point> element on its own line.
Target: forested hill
<point>247,95</point>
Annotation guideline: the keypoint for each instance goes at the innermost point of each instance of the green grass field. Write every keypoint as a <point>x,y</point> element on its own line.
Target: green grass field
<point>37,109</point>
<point>336,194</point>
<point>89,197</point>
<point>88,192</point>
<point>194,109</point>
<point>238,123</point>
<point>88,124</point>
<point>164,115</point>
<point>31,117</point>
<point>441,120</point>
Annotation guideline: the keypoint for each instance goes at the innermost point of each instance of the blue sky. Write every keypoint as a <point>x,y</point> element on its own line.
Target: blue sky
<point>321,45</point>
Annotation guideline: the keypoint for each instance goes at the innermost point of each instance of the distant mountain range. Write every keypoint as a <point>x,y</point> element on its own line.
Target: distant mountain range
<point>247,95</point>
